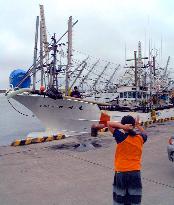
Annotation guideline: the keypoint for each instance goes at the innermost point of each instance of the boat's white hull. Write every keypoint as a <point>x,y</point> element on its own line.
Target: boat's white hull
<point>61,114</point>
<point>74,115</point>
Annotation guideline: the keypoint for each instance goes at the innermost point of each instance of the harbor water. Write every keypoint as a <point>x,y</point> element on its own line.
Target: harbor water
<point>14,125</point>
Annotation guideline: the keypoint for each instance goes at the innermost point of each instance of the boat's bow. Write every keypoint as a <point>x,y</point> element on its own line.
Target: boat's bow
<point>61,114</point>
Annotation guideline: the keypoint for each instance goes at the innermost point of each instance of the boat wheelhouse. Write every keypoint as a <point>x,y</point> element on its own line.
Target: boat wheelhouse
<point>132,96</point>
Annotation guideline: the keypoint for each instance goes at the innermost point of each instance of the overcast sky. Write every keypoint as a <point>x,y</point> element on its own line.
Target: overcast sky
<point>103,30</point>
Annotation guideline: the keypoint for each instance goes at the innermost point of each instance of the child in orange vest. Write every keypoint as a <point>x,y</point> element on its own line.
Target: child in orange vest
<point>127,186</point>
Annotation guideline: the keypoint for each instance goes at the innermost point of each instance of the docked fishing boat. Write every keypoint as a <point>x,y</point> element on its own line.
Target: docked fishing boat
<point>49,103</point>
<point>144,87</point>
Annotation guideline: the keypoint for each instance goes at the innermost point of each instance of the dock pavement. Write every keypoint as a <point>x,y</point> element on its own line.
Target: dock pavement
<point>60,173</point>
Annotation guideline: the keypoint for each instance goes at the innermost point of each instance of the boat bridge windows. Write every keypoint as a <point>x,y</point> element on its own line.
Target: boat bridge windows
<point>134,94</point>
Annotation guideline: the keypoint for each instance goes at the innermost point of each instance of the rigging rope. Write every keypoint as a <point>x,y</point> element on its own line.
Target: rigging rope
<point>18,110</point>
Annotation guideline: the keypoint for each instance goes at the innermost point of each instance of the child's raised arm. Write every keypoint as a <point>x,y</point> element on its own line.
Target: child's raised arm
<point>112,126</point>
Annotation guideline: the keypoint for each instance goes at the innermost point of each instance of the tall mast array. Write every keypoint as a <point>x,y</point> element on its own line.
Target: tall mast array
<point>42,63</point>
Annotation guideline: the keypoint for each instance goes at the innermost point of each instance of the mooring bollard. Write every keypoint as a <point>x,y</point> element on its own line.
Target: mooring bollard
<point>95,128</point>
<point>94,131</point>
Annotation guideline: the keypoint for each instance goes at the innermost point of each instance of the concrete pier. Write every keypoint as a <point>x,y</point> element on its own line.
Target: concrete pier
<point>51,174</point>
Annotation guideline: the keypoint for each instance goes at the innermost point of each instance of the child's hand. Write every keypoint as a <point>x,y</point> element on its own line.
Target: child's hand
<point>127,127</point>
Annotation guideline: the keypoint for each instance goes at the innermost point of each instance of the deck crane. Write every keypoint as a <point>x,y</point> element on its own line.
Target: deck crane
<point>96,81</point>
<point>86,76</point>
<point>113,74</point>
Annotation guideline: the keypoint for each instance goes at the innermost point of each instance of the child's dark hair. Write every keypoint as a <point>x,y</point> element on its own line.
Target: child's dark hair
<point>129,120</point>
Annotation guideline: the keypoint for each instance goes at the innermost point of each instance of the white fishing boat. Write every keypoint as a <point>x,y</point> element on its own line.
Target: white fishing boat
<point>55,109</point>
<point>60,114</point>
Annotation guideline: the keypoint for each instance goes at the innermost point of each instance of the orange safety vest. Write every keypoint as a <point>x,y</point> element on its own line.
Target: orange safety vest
<point>128,154</point>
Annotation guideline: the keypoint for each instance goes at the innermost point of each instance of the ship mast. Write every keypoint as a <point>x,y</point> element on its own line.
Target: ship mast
<point>69,56</point>
<point>137,65</point>
<point>41,55</point>
<point>44,44</point>
<point>35,54</point>
<point>136,69</point>
<point>53,67</point>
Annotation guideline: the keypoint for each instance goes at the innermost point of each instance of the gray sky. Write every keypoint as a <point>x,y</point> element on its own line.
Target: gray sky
<point>103,29</point>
